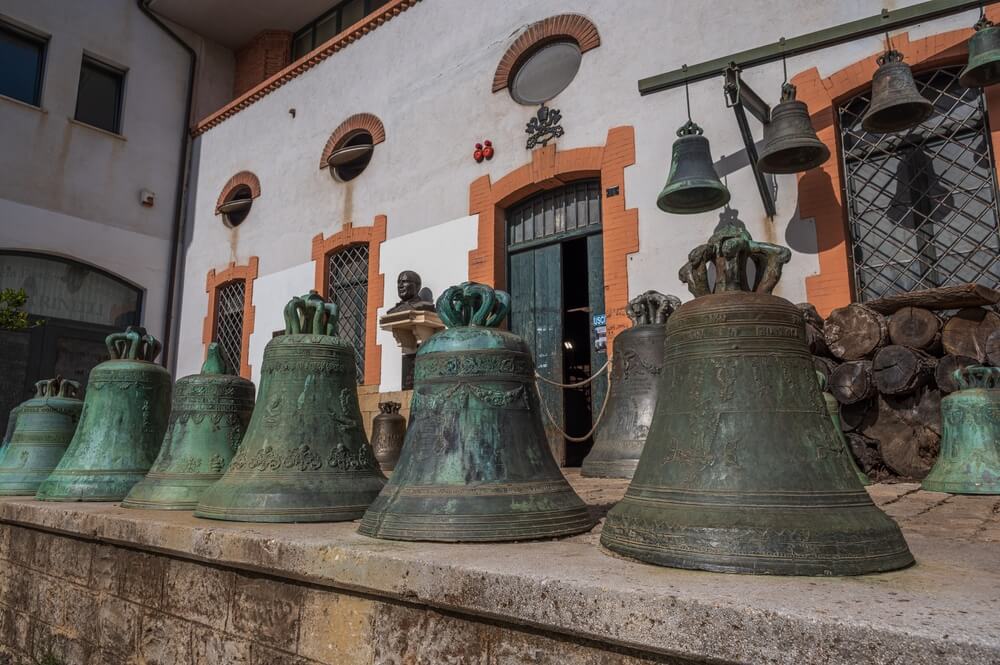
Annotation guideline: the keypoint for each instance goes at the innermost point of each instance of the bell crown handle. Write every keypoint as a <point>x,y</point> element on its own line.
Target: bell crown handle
<point>729,250</point>
<point>651,307</point>
<point>389,407</point>
<point>473,304</point>
<point>57,387</point>
<point>311,314</point>
<point>133,344</point>
<point>977,376</point>
<point>215,360</point>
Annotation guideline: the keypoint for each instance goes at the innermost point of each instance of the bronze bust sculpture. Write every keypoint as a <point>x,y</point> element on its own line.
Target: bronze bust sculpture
<point>411,296</point>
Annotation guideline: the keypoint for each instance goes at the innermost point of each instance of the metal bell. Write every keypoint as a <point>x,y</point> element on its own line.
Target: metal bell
<point>209,415</point>
<point>743,470</point>
<point>896,104</point>
<point>969,461</point>
<point>121,426</point>
<point>388,430</point>
<point>476,465</point>
<point>635,370</point>
<point>693,185</point>
<point>790,142</point>
<point>983,68</point>
<point>305,457</point>
<point>833,408</point>
<point>44,427</point>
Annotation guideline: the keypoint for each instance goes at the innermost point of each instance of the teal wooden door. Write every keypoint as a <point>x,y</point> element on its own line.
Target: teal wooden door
<point>598,349</point>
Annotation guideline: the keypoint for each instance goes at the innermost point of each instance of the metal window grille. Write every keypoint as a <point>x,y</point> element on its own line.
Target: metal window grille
<point>347,282</point>
<point>564,211</point>
<point>922,208</point>
<point>229,302</point>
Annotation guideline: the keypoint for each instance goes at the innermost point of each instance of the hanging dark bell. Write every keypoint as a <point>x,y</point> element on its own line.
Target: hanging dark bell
<point>121,426</point>
<point>208,417</point>
<point>983,68</point>
<point>476,465</point>
<point>388,430</point>
<point>743,470</point>
<point>305,456</point>
<point>44,427</point>
<point>969,462</point>
<point>896,104</point>
<point>790,142</point>
<point>636,364</point>
<point>693,185</point>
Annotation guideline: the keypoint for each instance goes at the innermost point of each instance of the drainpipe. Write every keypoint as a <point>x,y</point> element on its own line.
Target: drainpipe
<point>182,176</point>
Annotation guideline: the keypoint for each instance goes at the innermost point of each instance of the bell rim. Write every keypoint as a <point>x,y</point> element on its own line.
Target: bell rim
<point>724,195</point>
<point>983,62</point>
<point>888,128</point>
<point>486,527</point>
<point>765,162</point>
<point>609,469</point>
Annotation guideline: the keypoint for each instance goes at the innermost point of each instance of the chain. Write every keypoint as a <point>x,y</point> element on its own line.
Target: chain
<point>600,415</point>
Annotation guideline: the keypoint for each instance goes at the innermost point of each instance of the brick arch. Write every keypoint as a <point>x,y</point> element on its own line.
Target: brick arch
<point>550,168</point>
<point>242,178</point>
<point>356,123</point>
<point>216,280</point>
<point>820,191</point>
<point>565,26</point>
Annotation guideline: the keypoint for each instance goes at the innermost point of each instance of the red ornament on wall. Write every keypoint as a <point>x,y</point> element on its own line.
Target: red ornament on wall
<point>488,149</point>
<point>478,153</point>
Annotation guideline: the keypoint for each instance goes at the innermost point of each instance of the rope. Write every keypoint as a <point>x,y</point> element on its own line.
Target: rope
<point>597,421</point>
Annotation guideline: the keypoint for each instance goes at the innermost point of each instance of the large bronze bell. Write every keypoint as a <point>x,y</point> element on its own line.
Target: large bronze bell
<point>44,427</point>
<point>833,408</point>
<point>476,465</point>
<point>896,104</point>
<point>983,68</point>
<point>121,426</point>
<point>635,371</point>
<point>305,457</point>
<point>388,430</point>
<point>693,185</point>
<point>743,470</point>
<point>209,415</point>
<point>790,142</point>
<point>969,461</point>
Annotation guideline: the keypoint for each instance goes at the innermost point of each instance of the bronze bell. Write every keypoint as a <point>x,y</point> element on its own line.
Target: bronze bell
<point>790,142</point>
<point>636,364</point>
<point>743,470</point>
<point>896,104</point>
<point>209,414</point>
<point>44,427</point>
<point>476,465</point>
<point>983,68</point>
<point>693,185</point>
<point>304,457</point>
<point>388,430</point>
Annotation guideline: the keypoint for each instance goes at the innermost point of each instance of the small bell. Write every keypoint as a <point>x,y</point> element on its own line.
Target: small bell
<point>983,68</point>
<point>969,461</point>
<point>476,465</point>
<point>305,457</point>
<point>693,186</point>
<point>388,430</point>
<point>790,142</point>
<point>635,369</point>
<point>44,427</point>
<point>209,414</point>
<point>833,407</point>
<point>896,104</point>
<point>121,426</point>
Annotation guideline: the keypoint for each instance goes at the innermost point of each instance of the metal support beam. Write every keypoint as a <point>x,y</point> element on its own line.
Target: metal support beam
<point>887,21</point>
<point>740,96</point>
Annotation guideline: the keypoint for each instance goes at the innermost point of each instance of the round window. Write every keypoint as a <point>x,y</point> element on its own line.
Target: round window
<point>546,73</point>
<point>237,205</point>
<point>352,157</point>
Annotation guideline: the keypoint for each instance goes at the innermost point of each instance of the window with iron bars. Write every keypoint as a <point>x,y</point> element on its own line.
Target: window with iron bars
<point>229,322</point>
<point>921,205</point>
<point>347,285</point>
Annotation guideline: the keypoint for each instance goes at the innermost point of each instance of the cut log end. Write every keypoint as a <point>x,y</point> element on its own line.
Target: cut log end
<point>852,382</point>
<point>855,332</point>
<point>899,370</point>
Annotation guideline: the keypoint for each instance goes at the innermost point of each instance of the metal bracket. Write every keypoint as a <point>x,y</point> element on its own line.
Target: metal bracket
<point>740,97</point>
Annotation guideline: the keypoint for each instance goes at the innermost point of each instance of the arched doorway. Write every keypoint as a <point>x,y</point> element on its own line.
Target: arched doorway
<point>71,308</point>
<point>555,269</point>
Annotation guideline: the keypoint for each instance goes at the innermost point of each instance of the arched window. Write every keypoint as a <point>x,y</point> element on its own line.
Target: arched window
<point>347,285</point>
<point>921,205</point>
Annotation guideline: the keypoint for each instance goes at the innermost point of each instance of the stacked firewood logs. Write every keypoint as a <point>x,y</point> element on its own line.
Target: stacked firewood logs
<point>889,361</point>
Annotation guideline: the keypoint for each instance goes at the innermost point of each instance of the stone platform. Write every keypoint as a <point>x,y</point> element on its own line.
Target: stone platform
<point>98,584</point>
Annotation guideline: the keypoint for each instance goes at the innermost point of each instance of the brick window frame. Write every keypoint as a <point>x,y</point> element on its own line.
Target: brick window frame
<point>359,122</point>
<point>571,27</point>
<point>550,168</point>
<point>820,191</point>
<point>215,280</point>
<point>373,236</point>
<point>241,179</point>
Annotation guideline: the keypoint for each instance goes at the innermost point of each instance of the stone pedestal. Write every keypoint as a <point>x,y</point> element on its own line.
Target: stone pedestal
<point>410,328</point>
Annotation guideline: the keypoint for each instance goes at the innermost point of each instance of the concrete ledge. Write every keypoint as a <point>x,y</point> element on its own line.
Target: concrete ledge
<point>944,610</point>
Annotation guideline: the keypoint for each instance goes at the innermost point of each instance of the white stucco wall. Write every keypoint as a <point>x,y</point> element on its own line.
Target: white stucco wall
<point>427,74</point>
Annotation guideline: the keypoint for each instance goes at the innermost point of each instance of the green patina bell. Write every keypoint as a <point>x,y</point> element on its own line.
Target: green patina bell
<point>122,424</point>
<point>692,186</point>
<point>475,465</point>
<point>833,408</point>
<point>209,415</point>
<point>743,470</point>
<point>304,457</point>
<point>969,462</point>
<point>983,68</point>
<point>43,429</point>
